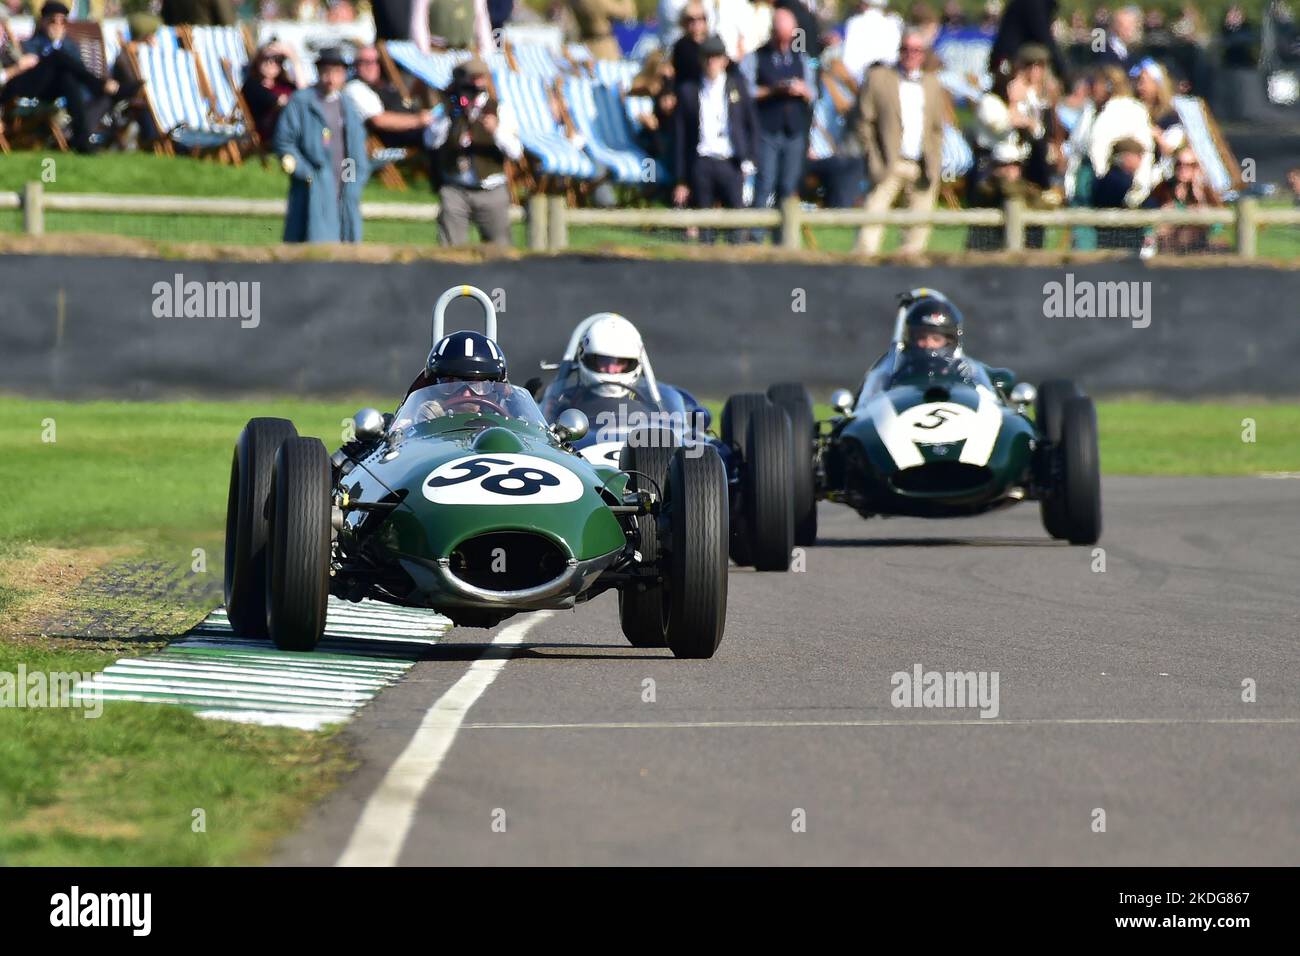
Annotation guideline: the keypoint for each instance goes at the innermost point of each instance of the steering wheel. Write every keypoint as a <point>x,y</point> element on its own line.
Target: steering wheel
<point>481,403</point>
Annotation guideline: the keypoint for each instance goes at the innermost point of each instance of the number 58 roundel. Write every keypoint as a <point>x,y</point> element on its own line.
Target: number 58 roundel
<point>501,479</point>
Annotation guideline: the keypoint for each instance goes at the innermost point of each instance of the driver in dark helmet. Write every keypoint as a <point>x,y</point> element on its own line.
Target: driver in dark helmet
<point>472,361</point>
<point>932,342</point>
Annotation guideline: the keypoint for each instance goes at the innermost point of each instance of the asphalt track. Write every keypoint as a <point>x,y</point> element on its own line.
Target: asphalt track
<point>1119,690</point>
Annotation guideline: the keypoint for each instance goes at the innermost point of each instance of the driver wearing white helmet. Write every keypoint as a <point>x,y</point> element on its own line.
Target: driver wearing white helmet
<point>610,357</point>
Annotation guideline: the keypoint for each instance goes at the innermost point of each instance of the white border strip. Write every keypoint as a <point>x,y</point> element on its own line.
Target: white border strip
<point>380,833</point>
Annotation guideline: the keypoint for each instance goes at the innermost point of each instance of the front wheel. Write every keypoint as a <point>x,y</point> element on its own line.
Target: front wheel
<point>642,604</point>
<point>768,485</point>
<point>297,572</point>
<point>794,398</point>
<point>1074,506</point>
<point>697,553</point>
<point>246,525</point>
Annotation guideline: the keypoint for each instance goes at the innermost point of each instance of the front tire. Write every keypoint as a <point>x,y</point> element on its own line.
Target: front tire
<point>1049,415</point>
<point>735,432</point>
<point>1080,492</point>
<point>246,524</point>
<point>642,606</point>
<point>798,405</point>
<point>697,558</point>
<point>299,545</point>
<point>768,485</point>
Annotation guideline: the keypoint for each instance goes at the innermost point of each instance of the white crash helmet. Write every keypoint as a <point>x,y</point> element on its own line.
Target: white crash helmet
<point>610,355</point>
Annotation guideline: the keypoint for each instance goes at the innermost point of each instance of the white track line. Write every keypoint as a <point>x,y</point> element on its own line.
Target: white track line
<point>385,821</point>
<point>970,722</point>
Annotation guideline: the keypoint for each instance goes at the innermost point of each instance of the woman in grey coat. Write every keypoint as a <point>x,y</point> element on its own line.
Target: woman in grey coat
<point>321,140</point>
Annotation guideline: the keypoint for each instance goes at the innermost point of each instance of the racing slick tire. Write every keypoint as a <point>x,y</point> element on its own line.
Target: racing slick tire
<point>1079,495</point>
<point>798,404</point>
<point>298,545</point>
<point>1049,413</point>
<point>696,553</point>
<point>642,607</point>
<point>250,486</point>
<point>768,485</point>
<point>735,433</point>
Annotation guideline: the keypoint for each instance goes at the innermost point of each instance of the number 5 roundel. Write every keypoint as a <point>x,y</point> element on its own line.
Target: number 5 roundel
<point>501,479</point>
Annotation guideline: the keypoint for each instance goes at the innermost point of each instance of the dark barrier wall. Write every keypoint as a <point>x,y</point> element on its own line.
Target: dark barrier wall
<point>81,327</point>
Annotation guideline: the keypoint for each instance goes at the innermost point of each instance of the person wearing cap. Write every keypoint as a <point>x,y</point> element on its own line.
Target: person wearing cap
<point>716,134</point>
<point>59,73</point>
<point>899,126</point>
<point>1122,188</point>
<point>470,138</point>
<point>321,142</point>
<point>268,86</point>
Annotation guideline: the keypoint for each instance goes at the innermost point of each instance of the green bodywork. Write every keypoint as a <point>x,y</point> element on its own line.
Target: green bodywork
<point>585,528</point>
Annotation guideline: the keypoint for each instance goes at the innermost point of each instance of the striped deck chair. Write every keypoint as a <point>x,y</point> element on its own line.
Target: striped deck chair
<point>180,110</point>
<point>827,127</point>
<point>598,113</point>
<point>957,159</point>
<point>433,69</point>
<point>635,107</point>
<point>617,73</point>
<point>168,38</point>
<point>538,130</point>
<point>216,47</point>
<point>1221,168</point>
<point>534,59</point>
<point>113,40</point>
<point>89,38</point>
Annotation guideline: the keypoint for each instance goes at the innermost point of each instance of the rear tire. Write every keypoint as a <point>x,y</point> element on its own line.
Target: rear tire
<point>643,614</point>
<point>246,525</point>
<point>299,547</point>
<point>1080,493</point>
<point>798,404</point>
<point>1049,413</point>
<point>768,485</point>
<point>697,554</point>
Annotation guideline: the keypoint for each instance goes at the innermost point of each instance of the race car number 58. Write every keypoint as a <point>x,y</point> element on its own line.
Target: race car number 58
<point>501,479</point>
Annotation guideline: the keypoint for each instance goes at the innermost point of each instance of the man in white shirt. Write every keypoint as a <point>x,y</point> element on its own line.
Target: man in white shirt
<point>871,36</point>
<point>716,134</point>
<point>900,128</point>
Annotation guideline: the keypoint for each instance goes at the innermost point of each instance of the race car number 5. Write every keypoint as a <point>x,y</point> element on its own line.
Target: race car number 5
<point>501,479</point>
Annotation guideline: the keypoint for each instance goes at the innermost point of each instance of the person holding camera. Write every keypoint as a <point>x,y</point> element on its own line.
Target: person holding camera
<point>471,137</point>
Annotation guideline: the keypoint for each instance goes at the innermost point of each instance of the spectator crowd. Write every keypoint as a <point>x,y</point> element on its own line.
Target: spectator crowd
<point>1065,110</point>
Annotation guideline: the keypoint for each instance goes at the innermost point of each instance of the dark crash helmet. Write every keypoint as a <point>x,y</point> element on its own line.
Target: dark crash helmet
<point>466,357</point>
<point>928,316</point>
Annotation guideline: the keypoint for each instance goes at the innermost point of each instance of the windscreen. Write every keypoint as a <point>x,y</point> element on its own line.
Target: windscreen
<point>476,399</point>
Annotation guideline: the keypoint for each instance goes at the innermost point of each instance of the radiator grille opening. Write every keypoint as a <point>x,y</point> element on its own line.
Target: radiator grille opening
<point>941,477</point>
<point>508,561</point>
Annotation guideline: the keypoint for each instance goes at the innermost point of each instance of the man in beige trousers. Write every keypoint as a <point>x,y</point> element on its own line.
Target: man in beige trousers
<point>900,126</point>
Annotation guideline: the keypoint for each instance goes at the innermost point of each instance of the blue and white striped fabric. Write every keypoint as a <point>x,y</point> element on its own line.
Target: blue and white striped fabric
<point>827,128</point>
<point>1196,124</point>
<point>597,111</point>
<point>433,68</point>
<point>166,37</point>
<point>113,35</point>
<point>538,131</point>
<point>957,157</point>
<point>171,80</point>
<point>536,60</point>
<point>215,46</point>
<point>617,73</point>
<point>578,53</point>
<point>635,107</point>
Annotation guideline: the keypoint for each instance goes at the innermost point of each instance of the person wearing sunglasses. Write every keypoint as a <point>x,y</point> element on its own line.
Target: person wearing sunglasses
<point>392,119</point>
<point>900,129</point>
